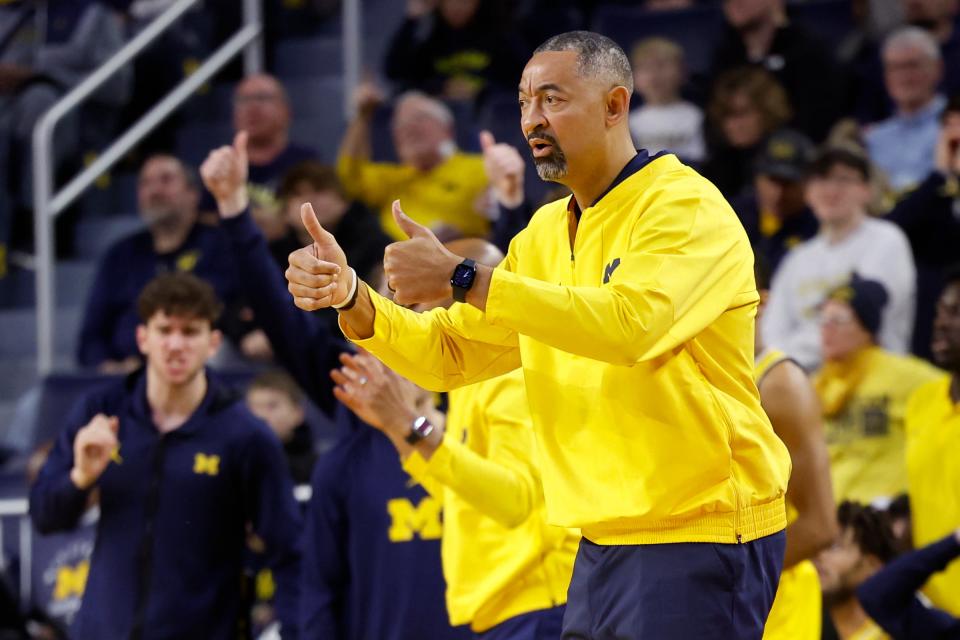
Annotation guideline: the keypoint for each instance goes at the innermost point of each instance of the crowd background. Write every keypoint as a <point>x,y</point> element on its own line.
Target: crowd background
<point>832,127</point>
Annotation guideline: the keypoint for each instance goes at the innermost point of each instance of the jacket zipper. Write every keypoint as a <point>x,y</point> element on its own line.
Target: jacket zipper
<point>145,553</point>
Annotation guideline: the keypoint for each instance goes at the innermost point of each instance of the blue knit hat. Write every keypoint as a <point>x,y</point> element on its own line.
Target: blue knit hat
<point>867,298</point>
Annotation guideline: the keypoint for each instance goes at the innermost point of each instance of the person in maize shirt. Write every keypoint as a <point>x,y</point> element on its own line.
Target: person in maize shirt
<point>630,308</point>
<point>507,570</point>
<point>791,403</point>
<point>932,426</point>
<point>185,473</point>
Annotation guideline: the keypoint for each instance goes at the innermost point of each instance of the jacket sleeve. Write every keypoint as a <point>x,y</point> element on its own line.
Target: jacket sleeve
<point>687,262</point>
<point>302,342</point>
<point>324,578</point>
<point>275,516</point>
<point>501,484</point>
<point>889,596</point>
<point>56,504</point>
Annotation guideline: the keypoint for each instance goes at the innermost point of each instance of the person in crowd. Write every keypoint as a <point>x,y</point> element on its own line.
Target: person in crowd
<point>864,391</point>
<point>455,49</point>
<point>664,120</point>
<point>774,210</point>
<point>658,276</point>
<point>838,191</point>
<point>747,105</point>
<point>355,227</point>
<point>933,435</point>
<point>275,398</point>
<point>864,546</point>
<point>890,595</point>
<point>174,240</point>
<point>789,400</point>
<point>184,473</point>
<point>370,532</point>
<point>938,18</point>
<point>902,146</point>
<point>758,33</point>
<point>447,184</point>
<point>507,570</point>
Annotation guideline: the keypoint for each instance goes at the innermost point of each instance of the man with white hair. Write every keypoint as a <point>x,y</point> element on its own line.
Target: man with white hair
<point>903,144</point>
<point>446,184</point>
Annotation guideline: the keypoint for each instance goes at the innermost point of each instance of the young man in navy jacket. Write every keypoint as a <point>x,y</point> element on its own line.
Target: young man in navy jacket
<point>186,473</point>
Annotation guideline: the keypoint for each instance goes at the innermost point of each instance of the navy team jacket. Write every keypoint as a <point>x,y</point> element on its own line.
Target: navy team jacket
<point>175,508</point>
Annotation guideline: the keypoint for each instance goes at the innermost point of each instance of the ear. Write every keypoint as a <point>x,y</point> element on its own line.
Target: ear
<point>618,106</point>
<point>142,339</point>
<point>216,340</point>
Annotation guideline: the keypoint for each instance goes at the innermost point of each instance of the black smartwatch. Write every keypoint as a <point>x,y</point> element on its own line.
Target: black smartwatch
<point>462,279</point>
<point>419,430</point>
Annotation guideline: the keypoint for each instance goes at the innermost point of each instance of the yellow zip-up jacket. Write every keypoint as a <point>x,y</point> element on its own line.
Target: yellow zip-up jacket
<point>500,557</point>
<point>637,352</point>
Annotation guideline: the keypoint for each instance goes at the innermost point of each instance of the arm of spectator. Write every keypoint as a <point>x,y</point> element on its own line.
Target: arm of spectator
<point>275,516</point>
<point>505,171</point>
<point>324,576</point>
<point>790,401</point>
<point>890,595</point>
<point>58,497</point>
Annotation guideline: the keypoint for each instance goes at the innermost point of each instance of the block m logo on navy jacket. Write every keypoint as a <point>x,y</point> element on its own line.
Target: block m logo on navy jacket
<point>407,520</point>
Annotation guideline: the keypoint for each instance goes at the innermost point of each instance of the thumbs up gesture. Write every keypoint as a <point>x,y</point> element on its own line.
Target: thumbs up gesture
<point>418,270</point>
<point>93,448</point>
<point>224,174</point>
<point>318,276</point>
<point>504,167</point>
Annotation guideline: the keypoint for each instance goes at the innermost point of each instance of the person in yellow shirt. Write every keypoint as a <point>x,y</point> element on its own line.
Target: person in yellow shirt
<point>933,447</point>
<point>630,308</point>
<point>445,186</point>
<point>507,570</point>
<point>791,404</point>
<point>865,544</point>
<point>864,391</point>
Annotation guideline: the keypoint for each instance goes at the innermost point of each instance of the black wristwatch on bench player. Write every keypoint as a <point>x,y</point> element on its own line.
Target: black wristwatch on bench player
<point>462,279</point>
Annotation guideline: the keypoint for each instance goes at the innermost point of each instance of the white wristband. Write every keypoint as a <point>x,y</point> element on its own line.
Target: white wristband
<point>353,291</point>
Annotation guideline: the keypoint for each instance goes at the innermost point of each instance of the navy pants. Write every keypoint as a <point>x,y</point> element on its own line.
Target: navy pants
<point>673,591</point>
<point>545,624</point>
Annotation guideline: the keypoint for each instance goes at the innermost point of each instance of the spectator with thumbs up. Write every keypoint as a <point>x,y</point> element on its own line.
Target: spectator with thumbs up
<point>183,470</point>
<point>630,307</point>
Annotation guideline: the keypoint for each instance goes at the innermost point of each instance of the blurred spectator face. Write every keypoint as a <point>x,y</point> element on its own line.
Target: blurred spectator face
<point>928,13</point>
<point>277,409</point>
<point>260,107</point>
<point>658,76</point>
<point>841,334</point>
<point>745,15</point>
<point>177,347</point>
<point>843,567</point>
<point>946,329</point>
<point>458,13</point>
<point>911,76</point>
<point>164,194</point>
<point>327,204</point>
<point>780,197</point>
<point>742,123</point>
<point>419,133</point>
<point>839,195</point>
<point>667,5</point>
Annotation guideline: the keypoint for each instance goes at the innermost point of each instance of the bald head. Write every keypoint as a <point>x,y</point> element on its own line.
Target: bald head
<point>262,109</point>
<point>421,127</point>
<point>477,249</point>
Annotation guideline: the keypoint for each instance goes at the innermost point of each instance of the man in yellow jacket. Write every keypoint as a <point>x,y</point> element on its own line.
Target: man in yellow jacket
<point>507,570</point>
<point>630,308</point>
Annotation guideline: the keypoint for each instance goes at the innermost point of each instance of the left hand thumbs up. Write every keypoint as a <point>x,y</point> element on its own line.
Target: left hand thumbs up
<point>418,270</point>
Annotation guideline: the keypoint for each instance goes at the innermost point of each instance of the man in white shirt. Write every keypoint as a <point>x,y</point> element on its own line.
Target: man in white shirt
<point>838,191</point>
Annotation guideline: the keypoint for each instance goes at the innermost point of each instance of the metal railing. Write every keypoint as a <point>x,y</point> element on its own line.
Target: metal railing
<point>49,204</point>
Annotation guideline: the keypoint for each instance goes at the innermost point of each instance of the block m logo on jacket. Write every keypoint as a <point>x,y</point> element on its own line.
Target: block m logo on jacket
<point>407,520</point>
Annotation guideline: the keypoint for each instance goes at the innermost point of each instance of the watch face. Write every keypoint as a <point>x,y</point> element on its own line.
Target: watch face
<point>463,276</point>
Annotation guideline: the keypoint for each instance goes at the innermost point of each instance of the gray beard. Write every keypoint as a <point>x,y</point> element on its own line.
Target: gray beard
<point>553,167</point>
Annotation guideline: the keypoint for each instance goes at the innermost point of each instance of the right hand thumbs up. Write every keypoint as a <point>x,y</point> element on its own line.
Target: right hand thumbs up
<point>318,276</point>
<point>224,174</point>
<point>504,167</point>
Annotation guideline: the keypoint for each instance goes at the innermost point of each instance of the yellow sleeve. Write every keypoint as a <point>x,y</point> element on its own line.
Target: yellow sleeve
<point>373,183</point>
<point>687,262</point>
<point>441,349</point>
<point>502,485</point>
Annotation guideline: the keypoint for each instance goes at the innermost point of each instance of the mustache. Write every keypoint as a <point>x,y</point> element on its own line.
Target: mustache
<point>541,135</point>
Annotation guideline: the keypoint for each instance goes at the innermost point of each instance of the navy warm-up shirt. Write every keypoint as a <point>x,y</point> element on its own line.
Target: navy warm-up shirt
<point>175,509</point>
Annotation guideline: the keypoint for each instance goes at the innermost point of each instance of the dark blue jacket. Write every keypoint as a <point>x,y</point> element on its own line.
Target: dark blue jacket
<point>168,560</point>
<point>110,319</point>
<point>371,547</point>
<point>890,595</point>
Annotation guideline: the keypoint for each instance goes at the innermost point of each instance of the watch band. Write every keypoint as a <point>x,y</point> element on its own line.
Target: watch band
<point>420,429</point>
